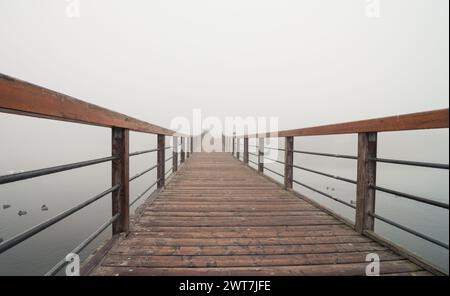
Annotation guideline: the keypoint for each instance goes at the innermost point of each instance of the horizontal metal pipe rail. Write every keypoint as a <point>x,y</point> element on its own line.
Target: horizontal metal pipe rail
<point>143,193</point>
<point>169,172</point>
<point>274,160</point>
<point>143,173</point>
<point>147,151</point>
<point>272,148</point>
<point>143,152</point>
<point>324,194</point>
<point>409,230</point>
<point>46,224</point>
<point>55,269</point>
<point>273,172</point>
<point>52,170</point>
<point>326,154</point>
<point>251,161</point>
<point>325,174</point>
<point>410,196</point>
<point>413,163</point>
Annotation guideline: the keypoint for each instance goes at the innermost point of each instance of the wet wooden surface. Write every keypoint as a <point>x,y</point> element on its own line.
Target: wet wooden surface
<point>219,217</point>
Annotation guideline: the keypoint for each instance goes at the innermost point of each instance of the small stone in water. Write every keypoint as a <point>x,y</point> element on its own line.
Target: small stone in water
<point>22,213</point>
<point>44,208</point>
<point>6,206</point>
<point>1,240</point>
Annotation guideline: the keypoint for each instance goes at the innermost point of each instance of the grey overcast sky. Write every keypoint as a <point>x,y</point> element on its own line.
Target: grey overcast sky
<point>307,61</point>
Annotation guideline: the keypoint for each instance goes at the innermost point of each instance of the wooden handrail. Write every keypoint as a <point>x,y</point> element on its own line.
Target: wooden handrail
<point>414,121</point>
<point>23,98</point>
<point>367,131</point>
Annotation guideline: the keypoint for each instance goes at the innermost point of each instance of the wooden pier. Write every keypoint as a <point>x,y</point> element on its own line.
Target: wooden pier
<point>220,213</point>
<point>220,217</point>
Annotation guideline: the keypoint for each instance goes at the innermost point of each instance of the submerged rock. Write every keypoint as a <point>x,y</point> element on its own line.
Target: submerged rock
<point>44,208</point>
<point>6,206</point>
<point>1,240</point>
<point>22,213</point>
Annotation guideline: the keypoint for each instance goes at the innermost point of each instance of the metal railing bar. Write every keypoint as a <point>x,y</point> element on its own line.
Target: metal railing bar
<point>253,154</point>
<point>143,152</point>
<point>143,193</point>
<point>52,170</point>
<point>272,171</point>
<point>167,175</point>
<point>326,154</point>
<point>143,173</point>
<point>410,196</point>
<point>404,228</point>
<point>170,158</point>
<point>413,163</point>
<point>55,269</point>
<point>252,162</point>
<point>44,225</point>
<point>325,194</point>
<point>272,148</point>
<point>275,160</point>
<point>325,174</point>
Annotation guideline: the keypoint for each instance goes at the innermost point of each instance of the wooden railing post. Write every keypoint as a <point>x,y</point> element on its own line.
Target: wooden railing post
<point>366,176</point>
<point>246,150</point>
<point>223,143</point>
<point>234,146</point>
<point>187,148</point>
<point>192,145</point>
<point>161,171</point>
<point>238,148</point>
<point>175,154</point>
<point>120,176</point>
<point>261,155</point>
<point>183,150</point>
<point>288,162</point>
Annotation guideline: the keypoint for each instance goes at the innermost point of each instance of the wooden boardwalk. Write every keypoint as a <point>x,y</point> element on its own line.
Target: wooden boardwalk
<point>217,216</point>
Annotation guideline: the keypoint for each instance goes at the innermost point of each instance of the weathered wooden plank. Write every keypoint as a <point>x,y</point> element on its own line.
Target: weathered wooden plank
<point>208,233</point>
<point>217,217</point>
<point>414,121</point>
<point>353,269</point>
<point>267,214</point>
<point>20,97</point>
<point>245,250</point>
<point>164,241</point>
<point>240,229</point>
<point>244,260</point>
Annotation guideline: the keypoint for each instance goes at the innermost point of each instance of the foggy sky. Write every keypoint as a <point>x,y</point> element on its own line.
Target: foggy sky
<point>309,62</point>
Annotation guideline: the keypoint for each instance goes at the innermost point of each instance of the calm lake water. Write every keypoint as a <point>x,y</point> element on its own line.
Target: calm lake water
<point>36,143</point>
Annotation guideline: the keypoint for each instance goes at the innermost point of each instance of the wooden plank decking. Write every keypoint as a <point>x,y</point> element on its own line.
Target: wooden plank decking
<point>219,217</point>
